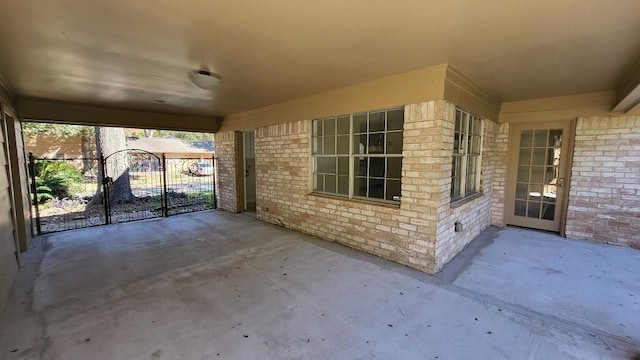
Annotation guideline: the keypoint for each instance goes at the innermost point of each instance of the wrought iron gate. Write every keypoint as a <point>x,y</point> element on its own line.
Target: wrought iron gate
<point>128,185</point>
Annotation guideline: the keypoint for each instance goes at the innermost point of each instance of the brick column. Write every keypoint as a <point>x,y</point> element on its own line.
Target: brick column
<point>227,187</point>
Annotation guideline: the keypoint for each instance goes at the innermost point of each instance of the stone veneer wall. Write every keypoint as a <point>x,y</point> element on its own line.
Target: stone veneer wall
<point>226,176</point>
<point>413,233</point>
<point>604,197</point>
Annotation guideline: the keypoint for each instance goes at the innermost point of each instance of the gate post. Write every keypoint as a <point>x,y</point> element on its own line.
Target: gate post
<point>215,171</point>
<point>165,205</point>
<point>34,190</point>
<point>105,190</point>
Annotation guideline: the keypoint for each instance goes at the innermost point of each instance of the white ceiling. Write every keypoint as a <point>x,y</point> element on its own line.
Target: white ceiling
<point>126,54</point>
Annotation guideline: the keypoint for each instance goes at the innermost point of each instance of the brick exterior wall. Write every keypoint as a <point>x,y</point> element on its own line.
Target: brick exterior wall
<point>417,232</point>
<point>474,214</point>
<point>500,160</point>
<point>226,187</point>
<point>604,197</point>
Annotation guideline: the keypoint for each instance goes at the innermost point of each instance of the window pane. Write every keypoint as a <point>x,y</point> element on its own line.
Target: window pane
<point>318,182</point>
<point>326,165</point>
<point>330,184</point>
<point>457,145</point>
<point>376,121</point>
<point>343,165</point>
<point>317,145</point>
<point>343,125</point>
<point>376,143</point>
<point>343,144</point>
<point>329,145</point>
<point>393,190</point>
<point>458,120</point>
<point>471,183</point>
<point>330,126</point>
<point>395,119</point>
<point>360,144</point>
<point>317,127</point>
<point>360,187</point>
<point>555,137</point>
<point>456,166</point>
<point>376,167</point>
<point>376,188</point>
<point>394,167</point>
<point>343,185</point>
<point>537,175</point>
<point>361,166</point>
<point>394,143</point>
<point>359,123</point>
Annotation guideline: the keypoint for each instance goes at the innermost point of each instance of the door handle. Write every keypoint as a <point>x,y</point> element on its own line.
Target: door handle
<point>561,182</point>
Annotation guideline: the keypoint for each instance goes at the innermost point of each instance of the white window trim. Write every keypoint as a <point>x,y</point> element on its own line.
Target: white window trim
<point>477,189</point>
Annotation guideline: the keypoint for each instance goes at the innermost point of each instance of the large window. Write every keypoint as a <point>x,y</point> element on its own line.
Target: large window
<point>359,155</point>
<point>467,150</point>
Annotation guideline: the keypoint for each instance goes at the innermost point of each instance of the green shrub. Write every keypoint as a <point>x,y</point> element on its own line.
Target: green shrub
<point>56,179</point>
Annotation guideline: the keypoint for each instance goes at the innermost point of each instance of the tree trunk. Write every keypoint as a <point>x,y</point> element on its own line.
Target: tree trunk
<point>148,133</point>
<point>87,156</point>
<point>110,143</point>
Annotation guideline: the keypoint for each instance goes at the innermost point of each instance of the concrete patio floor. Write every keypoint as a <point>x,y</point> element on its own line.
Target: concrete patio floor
<point>215,285</point>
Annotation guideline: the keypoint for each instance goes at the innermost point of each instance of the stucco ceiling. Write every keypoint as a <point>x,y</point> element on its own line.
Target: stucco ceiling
<point>128,54</point>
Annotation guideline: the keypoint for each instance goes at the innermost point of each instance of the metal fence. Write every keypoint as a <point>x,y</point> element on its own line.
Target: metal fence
<point>125,186</point>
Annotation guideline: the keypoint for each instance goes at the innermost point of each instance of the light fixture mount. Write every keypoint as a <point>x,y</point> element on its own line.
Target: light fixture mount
<point>204,79</point>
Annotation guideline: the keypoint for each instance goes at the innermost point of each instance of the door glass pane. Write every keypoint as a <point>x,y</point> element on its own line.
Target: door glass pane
<point>521,191</point>
<point>523,173</point>
<point>521,208</point>
<point>548,211</point>
<point>533,210</point>
<point>526,138</point>
<point>540,138</point>
<point>537,157</point>
<point>537,175</point>
<point>525,157</point>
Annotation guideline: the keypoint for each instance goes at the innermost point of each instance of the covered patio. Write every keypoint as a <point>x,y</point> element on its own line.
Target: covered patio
<point>214,285</point>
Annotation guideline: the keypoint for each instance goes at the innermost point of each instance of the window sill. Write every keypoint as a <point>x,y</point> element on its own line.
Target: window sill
<point>456,204</point>
<point>381,203</point>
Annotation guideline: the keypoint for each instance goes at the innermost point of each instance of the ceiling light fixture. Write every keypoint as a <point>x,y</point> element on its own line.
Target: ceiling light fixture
<point>204,79</point>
